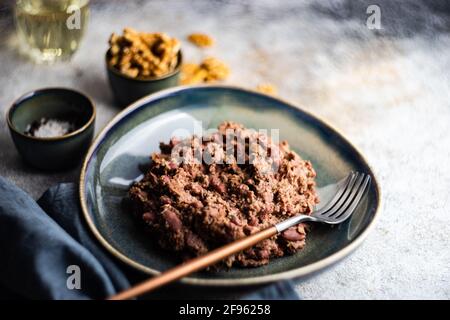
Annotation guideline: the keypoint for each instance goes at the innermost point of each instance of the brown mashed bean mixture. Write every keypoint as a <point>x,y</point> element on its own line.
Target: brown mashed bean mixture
<point>193,207</point>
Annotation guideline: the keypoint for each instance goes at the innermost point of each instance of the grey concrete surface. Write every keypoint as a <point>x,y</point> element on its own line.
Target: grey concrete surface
<point>387,90</point>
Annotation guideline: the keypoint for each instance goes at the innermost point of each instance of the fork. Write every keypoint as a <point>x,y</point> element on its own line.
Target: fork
<point>349,194</point>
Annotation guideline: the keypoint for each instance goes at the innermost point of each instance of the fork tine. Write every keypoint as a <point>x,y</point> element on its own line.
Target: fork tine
<point>357,198</point>
<point>343,198</point>
<point>338,195</point>
<point>344,205</point>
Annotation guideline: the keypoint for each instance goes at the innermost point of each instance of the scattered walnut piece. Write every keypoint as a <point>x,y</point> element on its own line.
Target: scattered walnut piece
<point>201,40</point>
<point>192,73</point>
<point>140,54</point>
<point>210,70</point>
<point>267,88</point>
<point>217,70</point>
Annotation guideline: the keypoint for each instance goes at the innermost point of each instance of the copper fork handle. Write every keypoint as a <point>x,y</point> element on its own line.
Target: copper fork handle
<point>195,264</point>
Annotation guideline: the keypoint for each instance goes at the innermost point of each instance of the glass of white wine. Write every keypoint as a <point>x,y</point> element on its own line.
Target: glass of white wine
<point>51,30</point>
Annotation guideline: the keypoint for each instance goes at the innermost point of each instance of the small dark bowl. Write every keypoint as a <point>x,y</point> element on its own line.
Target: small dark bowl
<point>127,89</point>
<point>52,153</point>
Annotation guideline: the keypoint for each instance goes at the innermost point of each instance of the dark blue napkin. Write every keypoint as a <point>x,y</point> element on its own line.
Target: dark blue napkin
<point>44,244</point>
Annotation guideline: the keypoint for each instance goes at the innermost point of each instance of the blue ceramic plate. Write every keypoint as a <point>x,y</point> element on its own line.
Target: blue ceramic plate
<point>125,144</point>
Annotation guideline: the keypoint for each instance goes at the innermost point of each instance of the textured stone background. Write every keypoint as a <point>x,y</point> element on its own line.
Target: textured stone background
<point>388,91</point>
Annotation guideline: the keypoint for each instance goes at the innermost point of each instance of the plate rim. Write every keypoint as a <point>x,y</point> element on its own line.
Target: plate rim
<point>298,272</point>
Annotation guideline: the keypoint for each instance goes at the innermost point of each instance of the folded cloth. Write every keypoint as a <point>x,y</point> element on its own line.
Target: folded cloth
<point>47,252</point>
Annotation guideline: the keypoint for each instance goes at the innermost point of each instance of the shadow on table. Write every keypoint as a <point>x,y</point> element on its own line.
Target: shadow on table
<point>13,167</point>
<point>97,87</point>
